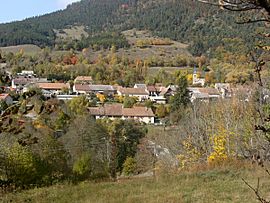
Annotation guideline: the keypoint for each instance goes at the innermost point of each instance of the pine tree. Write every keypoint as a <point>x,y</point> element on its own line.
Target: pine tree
<point>182,97</point>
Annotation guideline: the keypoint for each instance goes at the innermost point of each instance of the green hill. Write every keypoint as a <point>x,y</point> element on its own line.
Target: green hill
<point>202,26</point>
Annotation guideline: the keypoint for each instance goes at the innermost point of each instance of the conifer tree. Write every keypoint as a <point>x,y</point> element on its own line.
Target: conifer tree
<point>182,97</point>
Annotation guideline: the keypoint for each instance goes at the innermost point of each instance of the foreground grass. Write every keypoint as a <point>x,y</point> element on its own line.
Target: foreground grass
<point>216,185</point>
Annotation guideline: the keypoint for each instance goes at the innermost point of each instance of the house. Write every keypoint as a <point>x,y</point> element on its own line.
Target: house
<point>156,95</point>
<point>83,80</point>
<point>166,92</point>
<point>139,113</point>
<point>6,98</point>
<point>81,89</point>
<point>117,111</point>
<point>212,92</point>
<point>28,73</point>
<point>153,90</point>
<point>199,97</point>
<point>140,93</point>
<point>94,89</point>
<point>54,88</point>
<point>102,89</point>
<point>203,94</point>
<point>112,111</point>
<point>20,82</point>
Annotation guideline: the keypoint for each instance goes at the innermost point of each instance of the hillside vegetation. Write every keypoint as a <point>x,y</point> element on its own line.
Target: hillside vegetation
<point>183,20</point>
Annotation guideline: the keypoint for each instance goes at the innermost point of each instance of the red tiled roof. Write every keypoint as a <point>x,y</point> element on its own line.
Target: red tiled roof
<point>151,88</point>
<point>138,111</point>
<point>53,86</point>
<point>118,110</point>
<point>80,87</point>
<point>132,91</point>
<point>107,110</point>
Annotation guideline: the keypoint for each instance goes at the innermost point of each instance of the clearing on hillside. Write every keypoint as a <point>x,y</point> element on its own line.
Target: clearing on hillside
<point>74,32</point>
<point>27,48</point>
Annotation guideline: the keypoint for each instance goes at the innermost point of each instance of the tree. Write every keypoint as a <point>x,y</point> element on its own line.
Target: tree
<point>129,102</point>
<point>182,97</point>
<point>124,138</point>
<point>148,103</point>
<point>78,105</point>
<point>3,106</point>
<point>85,141</point>
<point>161,111</point>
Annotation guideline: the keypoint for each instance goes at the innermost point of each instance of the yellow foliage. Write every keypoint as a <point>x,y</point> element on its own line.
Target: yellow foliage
<point>119,98</point>
<point>219,152</point>
<point>37,124</point>
<point>189,77</point>
<point>193,154</point>
<point>101,97</point>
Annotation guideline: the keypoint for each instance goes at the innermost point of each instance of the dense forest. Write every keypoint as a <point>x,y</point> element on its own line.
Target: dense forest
<point>183,20</point>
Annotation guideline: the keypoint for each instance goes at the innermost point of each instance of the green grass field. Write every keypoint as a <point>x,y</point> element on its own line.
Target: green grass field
<point>209,186</point>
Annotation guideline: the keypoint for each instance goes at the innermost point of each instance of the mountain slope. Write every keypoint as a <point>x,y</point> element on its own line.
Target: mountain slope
<point>187,21</point>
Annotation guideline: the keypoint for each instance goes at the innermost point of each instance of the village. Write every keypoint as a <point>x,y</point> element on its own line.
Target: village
<point>109,98</point>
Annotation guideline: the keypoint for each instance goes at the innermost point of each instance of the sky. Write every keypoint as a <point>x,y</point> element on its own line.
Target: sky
<point>11,10</point>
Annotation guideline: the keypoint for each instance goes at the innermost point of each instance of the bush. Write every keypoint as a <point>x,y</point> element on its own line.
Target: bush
<point>23,167</point>
<point>82,167</point>
<point>129,166</point>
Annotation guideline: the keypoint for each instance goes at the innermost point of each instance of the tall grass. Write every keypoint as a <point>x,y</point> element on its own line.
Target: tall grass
<point>200,185</point>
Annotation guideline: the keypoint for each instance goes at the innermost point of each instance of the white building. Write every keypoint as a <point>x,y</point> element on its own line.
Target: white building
<point>196,80</point>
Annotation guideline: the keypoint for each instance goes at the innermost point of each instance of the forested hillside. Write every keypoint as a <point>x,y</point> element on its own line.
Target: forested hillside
<point>202,26</point>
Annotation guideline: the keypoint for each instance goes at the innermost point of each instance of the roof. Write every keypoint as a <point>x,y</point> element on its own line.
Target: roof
<point>107,110</point>
<point>118,110</point>
<point>3,96</point>
<point>101,88</point>
<point>84,78</point>
<point>132,91</point>
<point>200,95</point>
<point>173,87</point>
<point>152,88</point>
<point>81,87</point>
<point>222,85</point>
<point>163,90</point>
<point>138,111</point>
<point>142,86</point>
<point>53,86</point>
<point>24,80</point>
<point>210,91</point>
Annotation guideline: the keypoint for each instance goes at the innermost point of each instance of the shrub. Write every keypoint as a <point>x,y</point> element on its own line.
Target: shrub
<point>23,167</point>
<point>129,166</point>
<point>82,167</point>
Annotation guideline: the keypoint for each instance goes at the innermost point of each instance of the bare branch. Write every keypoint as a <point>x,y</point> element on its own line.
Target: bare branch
<point>256,191</point>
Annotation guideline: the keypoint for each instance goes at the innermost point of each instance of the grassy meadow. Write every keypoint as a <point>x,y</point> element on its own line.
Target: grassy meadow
<point>208,185</point>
